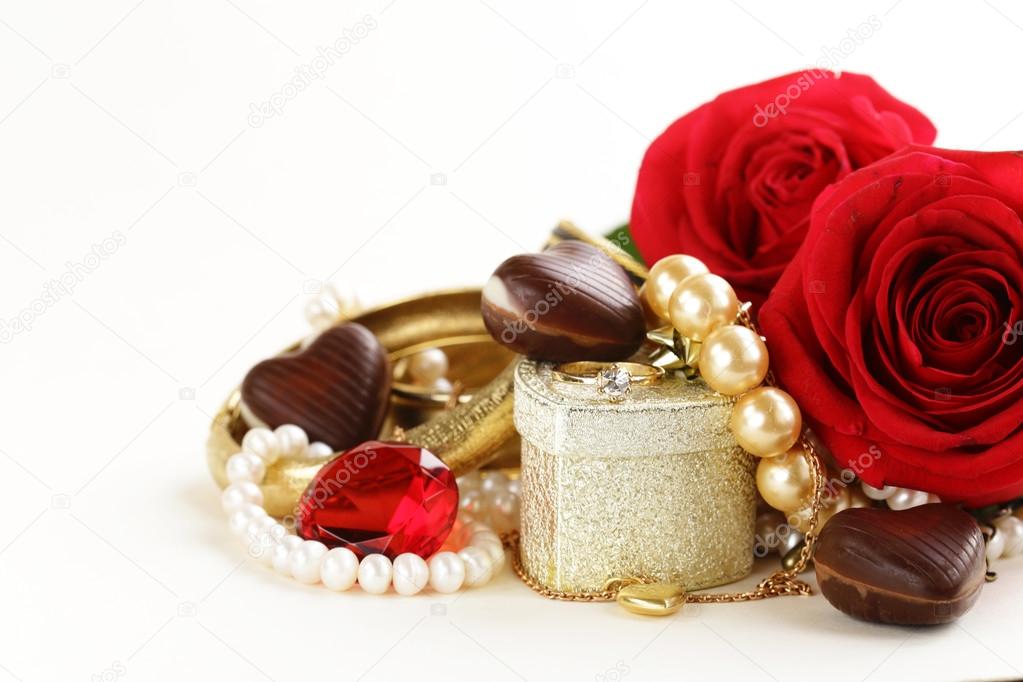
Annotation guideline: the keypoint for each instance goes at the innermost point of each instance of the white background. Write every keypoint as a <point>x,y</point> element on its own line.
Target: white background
<point>133,117</point>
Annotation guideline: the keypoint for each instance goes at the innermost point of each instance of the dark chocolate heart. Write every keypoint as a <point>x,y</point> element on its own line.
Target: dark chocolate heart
<point>571,302</point>
<point>336,388</point>
<point>921,566</point>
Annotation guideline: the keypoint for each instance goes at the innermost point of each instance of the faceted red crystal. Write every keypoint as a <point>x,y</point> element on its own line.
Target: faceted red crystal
<point>381,498</point>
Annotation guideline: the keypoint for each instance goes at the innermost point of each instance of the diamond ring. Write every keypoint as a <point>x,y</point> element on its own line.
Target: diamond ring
<point>614,381</point>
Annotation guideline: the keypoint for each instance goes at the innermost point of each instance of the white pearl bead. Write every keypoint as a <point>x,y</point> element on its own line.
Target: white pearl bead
<point>480,536</point>
<point>277,533</point>
<point>469,482</point>
<point>493,482</point>
<point>318,450</point>
<point>375,573</point>
<point>447,572</point>
<point>245,466</point>
<point>495,550</point>
<point>261,442</point>
<point>478,566</point>
<point>995,547</point>
<point>339,569</point>
<point>442,385</point>
<point>265,542</point>
<point>504,510</point>
<point>239,520</point>
<point>515,487</point>
<point>410,573</point>
<point>471,502</point>
<point>877,493</point>
<point>257,525</point>
<point>238,494</point>
<point>1012,529</point>
<point>472,527</point>
<point>425,367</point>
<point>281,554</point>
<point>322,311</point>
<point>304,561</point>
<point>904,498</point>
<point>291,440</point>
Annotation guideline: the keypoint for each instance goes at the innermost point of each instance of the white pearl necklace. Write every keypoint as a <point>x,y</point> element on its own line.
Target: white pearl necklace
<point>310,561</point>
<point>899,499</point>
<point>1005,543</point>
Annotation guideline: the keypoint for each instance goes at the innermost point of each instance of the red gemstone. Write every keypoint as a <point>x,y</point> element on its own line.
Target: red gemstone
<point>381,498</point>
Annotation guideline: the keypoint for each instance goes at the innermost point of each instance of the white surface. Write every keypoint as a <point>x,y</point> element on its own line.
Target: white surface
<point>131,117</point>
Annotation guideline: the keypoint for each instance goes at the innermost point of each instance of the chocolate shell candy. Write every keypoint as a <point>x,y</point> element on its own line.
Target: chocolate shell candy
<point>571,302</point>
<point>336,388</point>
<point>921,566</point>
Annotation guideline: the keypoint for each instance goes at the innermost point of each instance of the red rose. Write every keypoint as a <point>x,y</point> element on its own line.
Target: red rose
<point>732,182</point>
<point>896,328</point>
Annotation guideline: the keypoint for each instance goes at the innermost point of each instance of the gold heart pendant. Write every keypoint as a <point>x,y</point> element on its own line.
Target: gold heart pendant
<point>652,599</point>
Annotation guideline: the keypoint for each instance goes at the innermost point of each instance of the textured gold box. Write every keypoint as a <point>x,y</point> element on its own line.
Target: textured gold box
<point>653,486</point>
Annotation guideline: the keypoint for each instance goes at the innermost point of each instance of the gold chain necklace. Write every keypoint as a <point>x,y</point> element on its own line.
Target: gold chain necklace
<point>647,596</point>
<point>644,595</point>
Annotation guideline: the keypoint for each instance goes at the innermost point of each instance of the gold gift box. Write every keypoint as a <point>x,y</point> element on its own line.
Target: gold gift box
<point>650,487</point>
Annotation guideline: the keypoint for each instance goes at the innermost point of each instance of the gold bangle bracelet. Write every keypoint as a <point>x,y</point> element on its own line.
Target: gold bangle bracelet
<point>468,429</point>
<point>479,429</point>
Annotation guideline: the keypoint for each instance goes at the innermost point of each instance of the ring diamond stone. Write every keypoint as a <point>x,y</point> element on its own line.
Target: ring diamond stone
<point>614,382</point>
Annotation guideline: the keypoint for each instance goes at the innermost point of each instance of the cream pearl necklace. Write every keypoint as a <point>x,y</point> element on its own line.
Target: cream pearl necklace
<point>480,554</point>
<point>713,334</point>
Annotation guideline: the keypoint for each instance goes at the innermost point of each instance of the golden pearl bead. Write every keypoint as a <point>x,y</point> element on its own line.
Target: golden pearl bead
<point>649,316</point>
<point>665,276</point>
<point>766,421</point>
<point>786,481</point>
<point>702,303</point>
<point>733,359</point>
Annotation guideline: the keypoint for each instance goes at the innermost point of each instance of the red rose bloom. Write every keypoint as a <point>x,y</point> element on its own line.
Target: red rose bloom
<point>732,182</point>
<point>895,327</point>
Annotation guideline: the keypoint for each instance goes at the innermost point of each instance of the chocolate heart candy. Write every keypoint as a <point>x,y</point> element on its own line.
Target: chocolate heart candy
<point>921,566</point>
<point>571,302</point>
<point>336,388</point>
